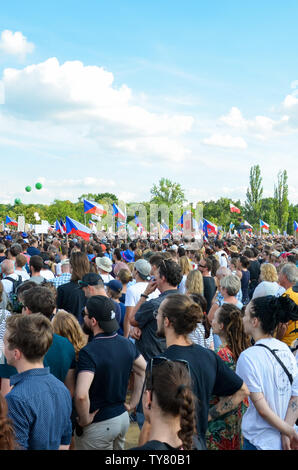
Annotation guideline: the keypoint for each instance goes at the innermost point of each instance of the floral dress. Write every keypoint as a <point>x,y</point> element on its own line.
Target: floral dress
<point>224,433</point>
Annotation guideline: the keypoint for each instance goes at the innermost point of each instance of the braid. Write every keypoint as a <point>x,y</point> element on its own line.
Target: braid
<point>237,340</point>
<point>187,418</point>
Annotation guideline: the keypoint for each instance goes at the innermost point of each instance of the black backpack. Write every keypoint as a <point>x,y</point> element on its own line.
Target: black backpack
<point>13,298</point>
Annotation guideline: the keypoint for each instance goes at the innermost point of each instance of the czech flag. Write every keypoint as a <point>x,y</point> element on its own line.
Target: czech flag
<point>117,212</point>
<point>264,225</point>
<point>166,230</point>
<point>209,228</point>
<point>180,221</point>
<point>72,226</point>
<point>295,226</point>
<point>139,223</point>
<point>120,224</point>
<point>93,208</point>
<point>234,209</point>
<point>10,221</point>
<point>63,226</point>
<point>58,227</point>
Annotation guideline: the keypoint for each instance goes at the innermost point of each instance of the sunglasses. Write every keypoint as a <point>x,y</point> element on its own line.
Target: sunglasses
<point>155,361</point>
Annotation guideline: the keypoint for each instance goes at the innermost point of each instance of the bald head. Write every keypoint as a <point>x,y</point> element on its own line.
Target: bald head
<point>7,267</point>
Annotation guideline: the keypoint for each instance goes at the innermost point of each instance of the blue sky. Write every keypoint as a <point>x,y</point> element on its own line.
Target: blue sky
<point>112,96</point>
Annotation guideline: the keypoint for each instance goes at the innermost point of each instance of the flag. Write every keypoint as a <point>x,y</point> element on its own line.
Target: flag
<point>72,226</point>
<point>264,225</point>
<point>295,226</point>
<point>93,208</point>
<point>58,227</point>
<point>117,212</point>
<point>120,224</point>
<point>209,228</point>
<point>63,226</point>
<point>10,221</point>
<point>246,226</point>
<point>180,221</point>
<point>166,232</point>
<point>139,223</point>
<point>234,209</point>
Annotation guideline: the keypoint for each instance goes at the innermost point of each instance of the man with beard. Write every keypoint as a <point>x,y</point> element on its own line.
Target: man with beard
<point>104,368</point>
<point>176,317</point>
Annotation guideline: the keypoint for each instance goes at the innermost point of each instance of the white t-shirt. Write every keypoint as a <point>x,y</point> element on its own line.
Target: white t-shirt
<point>47,274</point>
<point>182,288</point>
<point>268,288</point>
<point>7,284</point>
<point>262,373</point>
<point>133,294</point>
<point>106,278</point>
<point>23,273</point>
<point>222,258</point>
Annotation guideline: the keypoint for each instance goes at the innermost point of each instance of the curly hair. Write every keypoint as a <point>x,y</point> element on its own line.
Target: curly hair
<point>7,435</point>
<point>268,272</point>
<point>171,271</point>
<point>171,384</point>
<point>271,311</point>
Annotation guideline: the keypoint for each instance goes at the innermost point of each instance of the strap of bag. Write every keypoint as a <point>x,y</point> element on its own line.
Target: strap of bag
<point>290,377</point>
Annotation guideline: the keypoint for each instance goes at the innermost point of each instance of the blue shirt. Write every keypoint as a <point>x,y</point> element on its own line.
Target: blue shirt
<point>40,407</point>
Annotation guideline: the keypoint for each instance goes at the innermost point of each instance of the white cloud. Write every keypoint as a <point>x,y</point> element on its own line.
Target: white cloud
<point>225,141</point>
<point>260,125</point>
<point>15,44</point>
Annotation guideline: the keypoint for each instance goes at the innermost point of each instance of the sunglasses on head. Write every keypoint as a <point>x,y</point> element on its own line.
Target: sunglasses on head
<point>156,361</point>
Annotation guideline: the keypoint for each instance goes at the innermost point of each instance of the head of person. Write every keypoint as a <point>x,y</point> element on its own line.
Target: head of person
<point>227,323</point>
<point>185,265</point>
<point>141,270</point>
<point>230,285</point>
<point>21,261</point>
<point>218,245</point>
<point>104,264</point>
<point>222,272</point>
<point>124,276</point>
<point>268,272</point>
<point>39,299</point>
<point>65,324</point>
<point>177,314</point>
<point>27,337</point>
<point>288,275</point>
<point>168,396</point>
<point>244,262</point>
<point>15,250</point>
<point>100,316</point>
<point>155,261</point>
<point>114,289</point>
<point>205,266</point>
<point>79,264</point>
<point>169,275</point>
<point>265,313</point>
<point>91,284</point>
<point>65,266</point>
<point>7,267</point>
<point>194,283</point>
<point>36,264</point>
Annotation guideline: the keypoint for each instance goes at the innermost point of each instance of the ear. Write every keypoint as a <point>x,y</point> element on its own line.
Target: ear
<point>166,322</point>
<point>148,399</point>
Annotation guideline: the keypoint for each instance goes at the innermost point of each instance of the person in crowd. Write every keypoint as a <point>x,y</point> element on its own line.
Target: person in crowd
<point>7,434</point>
<point>177,316</point>
<point>254,269</point>
<point>65,324</point>
<point>224,433</point>
<point>194,283</point>
<point>114,292</point>
<point>268,282</point>
<point>169,406</point>
<point>288,279</point>
<point>35,266</point>
<point>65,274</point>
<point>243,265</point>
<point>104,368</point>
<point>203,333</point>
<point>125,277</point>
<point>104,267</point>
<point>205,267</point>
<point>229,287</point>
<point>186,268</point>
<point>69,296</point>
<point>39,404</point>
<point>220,253</point>
<point>4,314</point>
<point>268,368</point>
<point>20,264</point>
<point>9,276</point>
<point>33,247</point>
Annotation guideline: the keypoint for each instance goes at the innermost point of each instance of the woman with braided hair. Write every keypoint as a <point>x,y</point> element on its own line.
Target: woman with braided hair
<point>270,371</point>
<point>169,405</point>
<point>224,433</point>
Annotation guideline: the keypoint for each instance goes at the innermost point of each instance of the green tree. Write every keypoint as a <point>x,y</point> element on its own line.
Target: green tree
<point>254,193</point>
<point>293,215</point>
<point>281,200</point>
<point>167,192</point>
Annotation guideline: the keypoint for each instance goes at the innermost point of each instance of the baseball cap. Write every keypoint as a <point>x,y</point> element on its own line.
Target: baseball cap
<point>143,267</point>
<point>90,279</point>
<point>102,309</point>
<point>115,285</point>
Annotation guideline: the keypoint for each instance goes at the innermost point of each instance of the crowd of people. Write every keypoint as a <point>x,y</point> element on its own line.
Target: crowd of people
<point>197,344</point>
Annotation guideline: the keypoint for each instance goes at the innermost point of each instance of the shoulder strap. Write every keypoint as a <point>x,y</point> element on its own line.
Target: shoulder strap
<point>290,377</point>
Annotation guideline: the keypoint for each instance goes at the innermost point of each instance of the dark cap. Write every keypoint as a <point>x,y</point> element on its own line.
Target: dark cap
<point>103,310</point>
<point>115,285</point>
<point>90,279</point>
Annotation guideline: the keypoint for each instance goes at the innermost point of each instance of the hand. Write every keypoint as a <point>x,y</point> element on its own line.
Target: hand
<point>135,333</point>
<point>152,285</point>
<point>88,420</point>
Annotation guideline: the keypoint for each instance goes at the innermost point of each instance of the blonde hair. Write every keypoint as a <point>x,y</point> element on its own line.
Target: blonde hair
<point>185,265</point>
<point>194,282</point>
<point>268,272</point>
<point>65,324</point>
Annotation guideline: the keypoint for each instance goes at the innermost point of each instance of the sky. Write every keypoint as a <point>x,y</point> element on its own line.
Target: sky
<point>100,96</point>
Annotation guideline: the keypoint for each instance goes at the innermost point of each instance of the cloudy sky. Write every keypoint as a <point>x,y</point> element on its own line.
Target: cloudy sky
<point>100,96</point>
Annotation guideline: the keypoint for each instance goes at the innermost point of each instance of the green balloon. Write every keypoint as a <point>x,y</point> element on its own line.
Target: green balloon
<point>28,189</point>
<point>38,185</point>
<point>17,201</point>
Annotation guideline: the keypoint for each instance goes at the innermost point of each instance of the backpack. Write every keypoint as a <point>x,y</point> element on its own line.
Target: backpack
<point>13,297</point>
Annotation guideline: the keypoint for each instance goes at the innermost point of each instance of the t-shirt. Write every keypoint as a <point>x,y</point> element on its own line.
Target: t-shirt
<point>133,294</point>
<point>47,274</point>
<point>268,288</point>
<point>38,279</point>
<point>263,374</point>
<point>149,344</point>
<point>8,284</point>
<point>110,358</point>
<point>71,298</point>
<point>222,258</point>
<point>210,376</point>
<point>209,290</point>
<point>25,276</point>
<point>291,335</point>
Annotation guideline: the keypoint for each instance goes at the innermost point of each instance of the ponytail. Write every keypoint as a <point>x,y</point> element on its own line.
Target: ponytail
<point>187,417</point>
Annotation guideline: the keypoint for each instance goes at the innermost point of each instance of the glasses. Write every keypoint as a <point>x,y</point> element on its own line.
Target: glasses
<point>202,265</point>
<point>155,361</point>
